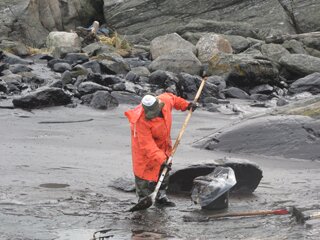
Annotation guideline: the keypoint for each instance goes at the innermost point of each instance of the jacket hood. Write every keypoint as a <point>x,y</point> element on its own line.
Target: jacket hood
<point>134,114</point>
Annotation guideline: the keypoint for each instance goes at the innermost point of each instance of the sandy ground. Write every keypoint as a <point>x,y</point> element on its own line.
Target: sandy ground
<point>88,155</point>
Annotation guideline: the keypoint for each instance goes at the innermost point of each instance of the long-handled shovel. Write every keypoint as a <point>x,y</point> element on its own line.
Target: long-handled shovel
<point>148,201</point>
<point>297,214</point>
<point>283,211</point>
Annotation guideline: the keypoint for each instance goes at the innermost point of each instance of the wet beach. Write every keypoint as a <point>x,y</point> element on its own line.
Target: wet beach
<point>55,181</point>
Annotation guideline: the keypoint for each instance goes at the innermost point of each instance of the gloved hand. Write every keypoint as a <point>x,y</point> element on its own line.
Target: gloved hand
<point>192,106</point>
<point>167,165</point>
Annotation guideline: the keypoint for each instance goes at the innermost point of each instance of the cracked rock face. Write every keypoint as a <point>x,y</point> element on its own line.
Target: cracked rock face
<point>149,19</point>
<point>143,20</point>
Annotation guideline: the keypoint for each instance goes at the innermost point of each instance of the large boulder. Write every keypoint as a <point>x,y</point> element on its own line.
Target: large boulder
<point>113,63</point>
<point>63,39</point>
<point>211,44</point>
<point>274,51</point>
<point>300,64</point>
<point>310,83</point>
<point>287,136</point>
<point>16,48</point>
<point>177,61</point>
<point>43,97</point>
<point>101,100</point>
<point>238,43</point>
<point>243,70</point>
<point>165,44</point>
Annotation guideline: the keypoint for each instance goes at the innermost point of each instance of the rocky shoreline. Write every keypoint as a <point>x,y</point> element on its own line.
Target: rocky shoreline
<point>65,139</point>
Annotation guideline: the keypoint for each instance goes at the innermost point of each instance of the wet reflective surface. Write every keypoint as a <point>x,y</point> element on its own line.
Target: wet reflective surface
<point>55,183</point>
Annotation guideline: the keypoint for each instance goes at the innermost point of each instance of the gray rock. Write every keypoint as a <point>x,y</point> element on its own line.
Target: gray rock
<point>211,44</point>
<point>207,100</point>
<point>137,62</point>
<point>110,80</point>
<point>218,81</point>
<point>3,86</point>
<point>63,39</point>
<point>80,70</point>
<point>61,67</point>
<point>141,71</point>
<point>43,97</point>
<point>294,46</point>
<point>119,87</point>
<point>52,62</point>
<point>188,85</point>
<point>262,89</point>
<point>235,93</point>
<point>259,97</point>
<point>3,66</point>
<point>274,51</point>
<point>13,59</point>
<point>163,45</point>
<point>163,78</point>
<point>300,63</point>
<point>313,52</point>
<point>18,68</point>
<point>97,48</point>
<point>91,87</point>
<point>287,136</point>
<point>96,78</point>
<point>177,61</point>
<point>282,102</point>
<point>132,77</point>
<point>62,51</point>
<point>193,37</point>
<point>32,79</point>
<point>13,82</point>
<point>238,43</point>
<point>227,27</point>
<point>211,107</point>
<point>114,64</point>
<point>56,84</point>
<point>131,87</point>
<point>16,48</point>
<point>77,58</point>
<point>66,78</point>
<point>126,98</point>
<point>310,83</point>
<point>243,69</point>
<point>103,100</point>
<point>93,65</point>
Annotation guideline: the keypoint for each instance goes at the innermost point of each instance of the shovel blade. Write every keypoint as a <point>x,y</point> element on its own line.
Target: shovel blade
<point>143,204</point>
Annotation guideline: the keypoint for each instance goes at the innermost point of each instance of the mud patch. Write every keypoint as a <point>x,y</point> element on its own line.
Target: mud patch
<point>54,185</point>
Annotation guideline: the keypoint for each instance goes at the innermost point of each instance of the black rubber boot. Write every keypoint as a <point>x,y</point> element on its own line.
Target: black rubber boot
<point>165,202</point>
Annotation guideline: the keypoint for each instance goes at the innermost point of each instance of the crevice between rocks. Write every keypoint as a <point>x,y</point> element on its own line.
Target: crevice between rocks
<point>288,7</point>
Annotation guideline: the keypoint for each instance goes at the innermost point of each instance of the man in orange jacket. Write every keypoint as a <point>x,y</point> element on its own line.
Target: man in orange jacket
<point>150,124</point>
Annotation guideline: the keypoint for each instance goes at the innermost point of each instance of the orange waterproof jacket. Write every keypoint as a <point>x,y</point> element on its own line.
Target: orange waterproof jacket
<point>150,139</point>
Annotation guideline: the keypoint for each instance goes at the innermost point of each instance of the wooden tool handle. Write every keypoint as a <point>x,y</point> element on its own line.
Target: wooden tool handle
<point>165,170</point>
<point>314,215</point>
<point>255,213</point>
<point>186,121</point>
